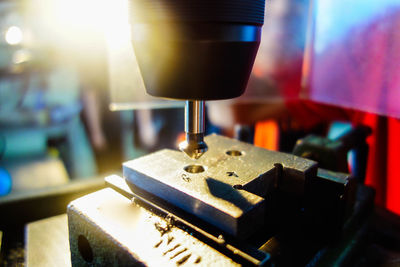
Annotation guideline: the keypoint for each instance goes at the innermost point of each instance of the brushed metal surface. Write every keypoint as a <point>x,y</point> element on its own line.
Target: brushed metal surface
<point>47,243</point>
<point>121,233</point>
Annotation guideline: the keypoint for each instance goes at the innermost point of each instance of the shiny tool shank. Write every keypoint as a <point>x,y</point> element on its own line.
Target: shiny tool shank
<point>194,145</point>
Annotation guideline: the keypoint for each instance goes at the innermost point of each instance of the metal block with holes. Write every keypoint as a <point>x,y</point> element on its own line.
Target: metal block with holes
<point>226,187</point>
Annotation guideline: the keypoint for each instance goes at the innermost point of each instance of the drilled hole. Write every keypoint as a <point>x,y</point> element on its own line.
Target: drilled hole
<point>234,153</point>
<point>85,249</point>
<point>194,168</point>
<point>238,186</point>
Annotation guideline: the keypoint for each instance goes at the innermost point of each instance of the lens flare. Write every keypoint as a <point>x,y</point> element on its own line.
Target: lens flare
<point>13,35</point>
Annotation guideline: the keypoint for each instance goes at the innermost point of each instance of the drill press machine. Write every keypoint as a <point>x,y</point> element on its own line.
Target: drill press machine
<point>196,51</point>
<point>237,204</point>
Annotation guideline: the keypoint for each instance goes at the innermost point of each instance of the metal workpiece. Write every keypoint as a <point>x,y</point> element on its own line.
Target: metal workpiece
<point>226,187</point>
<point>107,229</point>
<point>194,145</point>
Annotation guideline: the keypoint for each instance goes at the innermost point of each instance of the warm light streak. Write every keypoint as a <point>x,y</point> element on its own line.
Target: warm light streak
<point>13,35</point>
<point>80,24</point>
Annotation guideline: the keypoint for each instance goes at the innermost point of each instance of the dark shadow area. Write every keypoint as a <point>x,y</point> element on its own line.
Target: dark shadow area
<point>227,192</point>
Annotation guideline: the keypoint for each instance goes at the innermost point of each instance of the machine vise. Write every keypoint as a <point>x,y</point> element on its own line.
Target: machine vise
<point>237,205</point>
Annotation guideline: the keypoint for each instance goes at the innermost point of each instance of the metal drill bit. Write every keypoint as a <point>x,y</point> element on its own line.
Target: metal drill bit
<point>194,145</point>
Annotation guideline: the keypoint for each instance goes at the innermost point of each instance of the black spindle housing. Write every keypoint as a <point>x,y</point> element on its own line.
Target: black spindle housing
<point>196,49</point>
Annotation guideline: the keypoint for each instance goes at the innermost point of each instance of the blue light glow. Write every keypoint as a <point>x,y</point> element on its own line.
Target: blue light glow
<point>5,182</point>
<point>335,18</point>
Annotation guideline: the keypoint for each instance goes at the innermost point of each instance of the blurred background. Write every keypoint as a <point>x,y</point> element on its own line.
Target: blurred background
<point>62,69</point>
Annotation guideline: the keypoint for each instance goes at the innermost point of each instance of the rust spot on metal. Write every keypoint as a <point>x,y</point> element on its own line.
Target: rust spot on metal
<point>172,249</point>
<point>232,174</point>
<point>170,238</point>
<point>162,228</point>
<point>184,259</point>
<point>158,244</point>
<point>178,253</point>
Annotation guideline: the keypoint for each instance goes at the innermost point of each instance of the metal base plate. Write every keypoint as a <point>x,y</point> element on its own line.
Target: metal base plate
<point>107,229</point>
